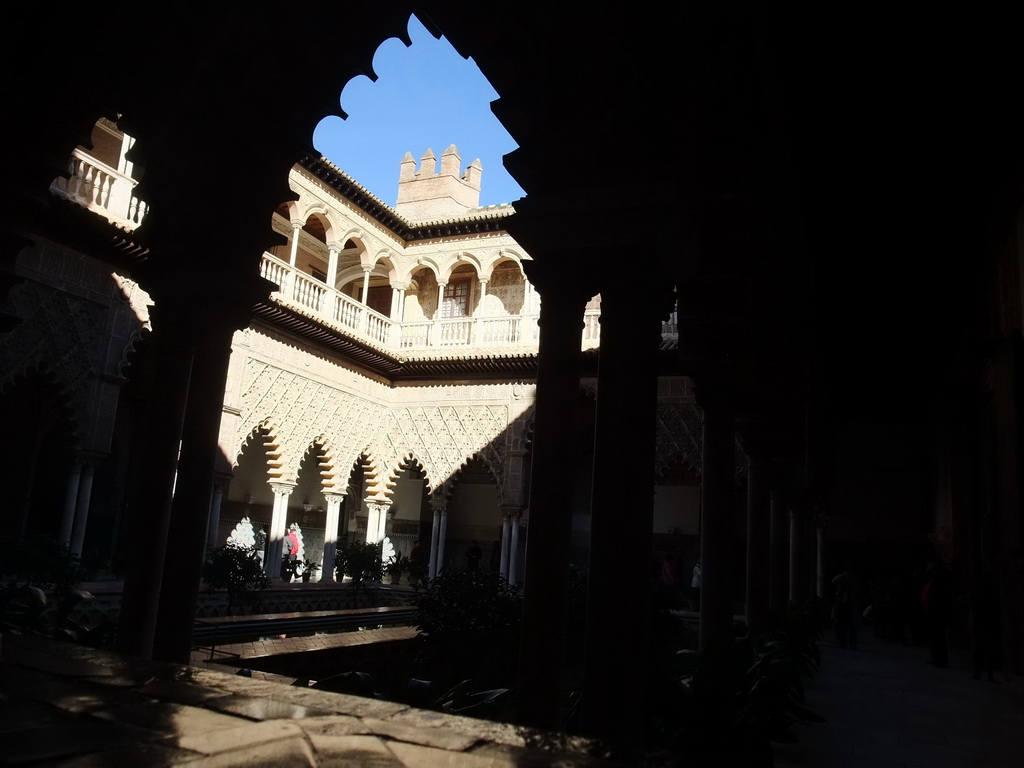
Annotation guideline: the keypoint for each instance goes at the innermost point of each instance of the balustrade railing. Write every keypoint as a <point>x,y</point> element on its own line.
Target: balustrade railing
<point>517,331</point>
<point>101,189</point>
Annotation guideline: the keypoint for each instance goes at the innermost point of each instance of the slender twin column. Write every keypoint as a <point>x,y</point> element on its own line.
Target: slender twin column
<point>376,521</point>
<point>76,505</point>
<point>334,502</point>
<point>278,524</point>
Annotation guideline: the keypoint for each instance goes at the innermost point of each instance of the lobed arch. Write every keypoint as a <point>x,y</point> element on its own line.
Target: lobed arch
<point>496,474</point>
<point>325,216</point>
<point>504,256</point>
<point>265,433</point>
<point>410,458</point>
<point>462,259</point>
<point>428,263</point>
<point>322,448</point>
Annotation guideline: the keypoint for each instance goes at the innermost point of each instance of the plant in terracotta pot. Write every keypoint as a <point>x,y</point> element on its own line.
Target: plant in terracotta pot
<point>309,567</point>
<point>396,566</point>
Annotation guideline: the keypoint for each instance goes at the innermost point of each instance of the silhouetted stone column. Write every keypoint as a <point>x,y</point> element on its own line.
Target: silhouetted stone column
<point>618,582</point>
<point>778,582</point>
<point>716,398</point>
<point>819,539</point>
<point>146,524</point>
<point>543,640</point>
<point>797,556</point>
<point>758,540</point>
<point>193,493</point>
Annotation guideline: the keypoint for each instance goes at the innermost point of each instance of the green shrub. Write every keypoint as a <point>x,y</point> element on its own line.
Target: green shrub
<point>237,570</point>
<point>470,623</point>
<point>360,560</point>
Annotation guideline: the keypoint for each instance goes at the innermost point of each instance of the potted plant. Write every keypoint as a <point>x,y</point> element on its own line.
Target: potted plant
<point>396,566</point>
<point>309,567</point>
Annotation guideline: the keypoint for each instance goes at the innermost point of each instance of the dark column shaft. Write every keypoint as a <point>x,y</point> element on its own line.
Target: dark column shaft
<point>542,644</point>
<point>717,509</point>
<point>758,543</point>
<point>149,516</point>
<point>778,585</point>
<point>193,492</point>
<point>797,555</point>
<point>621,522</point>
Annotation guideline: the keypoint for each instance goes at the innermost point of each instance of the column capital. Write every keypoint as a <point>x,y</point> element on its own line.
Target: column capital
<point>298,223</point>
<point>335,496</point>
<point>283,487</point>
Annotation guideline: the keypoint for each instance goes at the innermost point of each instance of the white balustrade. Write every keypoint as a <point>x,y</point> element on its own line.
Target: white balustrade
<point>101,189</point>
<point>513,331</point>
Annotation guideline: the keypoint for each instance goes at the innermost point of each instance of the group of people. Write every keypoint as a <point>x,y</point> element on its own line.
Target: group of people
<point>918,607</point>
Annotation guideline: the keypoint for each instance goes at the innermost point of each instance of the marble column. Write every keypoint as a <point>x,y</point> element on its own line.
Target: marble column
<point>758,541</point>
<point>718,502</point>
<point>334,502</point>
<point>82,508</point>
<point>545,592</point>
<point>278,527</point>
<point>621,518</point>
<point>442,537</point>
<point>435,537</point>
<point>376,521</point>
<point>513,550</point>
<point>506,532</point>
<point>297,225</point>
<point>67,519</point>
<point>213,527</point>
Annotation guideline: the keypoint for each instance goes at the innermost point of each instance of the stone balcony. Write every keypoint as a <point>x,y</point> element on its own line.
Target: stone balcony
<point>512,333</point>
<point>103,190</point>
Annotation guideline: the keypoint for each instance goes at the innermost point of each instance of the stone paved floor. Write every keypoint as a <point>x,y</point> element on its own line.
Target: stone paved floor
<point>887,708</point>
<point>68,706</point>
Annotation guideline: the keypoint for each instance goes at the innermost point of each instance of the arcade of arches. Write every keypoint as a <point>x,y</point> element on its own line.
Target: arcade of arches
<point>762,212</point>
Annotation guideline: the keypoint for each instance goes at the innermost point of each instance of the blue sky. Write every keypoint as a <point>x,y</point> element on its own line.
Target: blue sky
<point>426,95</point>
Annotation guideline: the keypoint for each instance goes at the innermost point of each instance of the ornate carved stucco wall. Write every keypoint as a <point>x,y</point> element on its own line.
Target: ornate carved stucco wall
<point>306,397</point>
<point>81,320</point>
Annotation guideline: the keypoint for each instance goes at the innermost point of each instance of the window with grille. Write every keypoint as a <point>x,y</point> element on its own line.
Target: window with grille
<point>456,300</point>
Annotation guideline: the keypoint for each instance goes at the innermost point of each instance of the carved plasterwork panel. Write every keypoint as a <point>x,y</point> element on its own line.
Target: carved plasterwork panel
<point>678,434</point>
